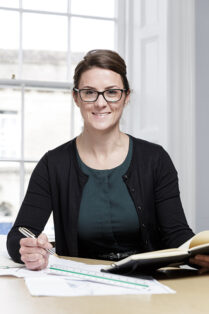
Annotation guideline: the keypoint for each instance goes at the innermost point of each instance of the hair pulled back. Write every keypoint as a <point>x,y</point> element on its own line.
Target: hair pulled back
<point>104,59</point>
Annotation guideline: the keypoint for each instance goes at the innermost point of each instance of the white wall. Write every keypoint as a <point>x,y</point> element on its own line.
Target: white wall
<point>165,71</point>
<point>202,114</point>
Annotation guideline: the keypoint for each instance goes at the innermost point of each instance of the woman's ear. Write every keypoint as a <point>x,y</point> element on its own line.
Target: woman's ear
<point>75,97</point>
<point>127,98</point>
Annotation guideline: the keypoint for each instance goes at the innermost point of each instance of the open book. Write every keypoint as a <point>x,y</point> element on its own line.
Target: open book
<point>143,262</point>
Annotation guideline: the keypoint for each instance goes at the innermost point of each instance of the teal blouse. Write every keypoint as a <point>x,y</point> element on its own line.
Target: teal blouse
<point>108,220</point>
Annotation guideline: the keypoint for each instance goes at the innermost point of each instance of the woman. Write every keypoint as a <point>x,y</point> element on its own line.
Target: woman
<point>111,194</point>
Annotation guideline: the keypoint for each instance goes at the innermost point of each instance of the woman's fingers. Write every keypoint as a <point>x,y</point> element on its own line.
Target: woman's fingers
<point>43,242</point>
<point>33,252</point>
<point>30,250</point>
<point>36,264</point>
<point>31,257</point>
<point>203,270</point>
<point>40,242</point>
<point>201,260</point>
<point>35,261</point>
<point>28,242</point>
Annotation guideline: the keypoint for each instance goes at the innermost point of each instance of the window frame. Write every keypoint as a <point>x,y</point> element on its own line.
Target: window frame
<point>23,84</point>
<point>69,15</point>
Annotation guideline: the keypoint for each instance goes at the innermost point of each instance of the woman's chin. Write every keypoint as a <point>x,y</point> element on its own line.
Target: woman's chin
<point>102,127</point>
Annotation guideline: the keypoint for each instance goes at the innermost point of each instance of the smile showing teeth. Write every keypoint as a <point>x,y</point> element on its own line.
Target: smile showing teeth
<point>101,114</point>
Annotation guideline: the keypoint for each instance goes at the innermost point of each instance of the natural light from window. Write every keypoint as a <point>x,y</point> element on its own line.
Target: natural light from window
<point>40,45</point>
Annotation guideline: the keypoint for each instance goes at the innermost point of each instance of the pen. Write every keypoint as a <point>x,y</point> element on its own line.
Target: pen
<point>30,234</point>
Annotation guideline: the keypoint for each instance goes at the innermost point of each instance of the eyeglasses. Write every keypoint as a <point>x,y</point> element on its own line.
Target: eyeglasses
<point>90,95</point>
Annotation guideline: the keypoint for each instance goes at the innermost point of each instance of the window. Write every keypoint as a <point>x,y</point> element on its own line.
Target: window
<point>43,42</point>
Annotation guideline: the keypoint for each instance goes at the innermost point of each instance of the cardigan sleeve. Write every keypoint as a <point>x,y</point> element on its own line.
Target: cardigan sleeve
<point>35,209</point>
<point>171,218</point>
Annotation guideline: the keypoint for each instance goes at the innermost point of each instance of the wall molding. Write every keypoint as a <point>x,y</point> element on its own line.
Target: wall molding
<point>181,98</point>
<point>176,129</point>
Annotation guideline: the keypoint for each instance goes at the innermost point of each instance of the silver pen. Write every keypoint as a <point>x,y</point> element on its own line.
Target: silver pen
<point>30,234</point>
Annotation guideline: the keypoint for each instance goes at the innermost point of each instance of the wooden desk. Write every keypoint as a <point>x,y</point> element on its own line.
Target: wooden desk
<point>191,296</point>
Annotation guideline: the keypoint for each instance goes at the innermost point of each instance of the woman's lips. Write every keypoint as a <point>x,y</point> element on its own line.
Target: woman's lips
<point>101,114</point>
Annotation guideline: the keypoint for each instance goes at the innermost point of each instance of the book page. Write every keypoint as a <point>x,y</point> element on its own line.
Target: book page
<point>200,239</point>
<point>185,245</point>
<point>155,254</point>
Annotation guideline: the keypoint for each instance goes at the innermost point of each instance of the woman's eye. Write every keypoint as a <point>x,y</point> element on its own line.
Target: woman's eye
<point>88,92</point>
<point>112,92</point>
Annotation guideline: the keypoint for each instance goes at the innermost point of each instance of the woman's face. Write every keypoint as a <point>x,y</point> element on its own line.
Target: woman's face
<point>101,115</point>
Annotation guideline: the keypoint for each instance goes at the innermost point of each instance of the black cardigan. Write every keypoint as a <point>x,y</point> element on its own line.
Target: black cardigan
<point>57,182</point>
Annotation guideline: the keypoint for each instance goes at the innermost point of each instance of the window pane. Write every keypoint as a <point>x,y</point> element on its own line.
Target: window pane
<point>78,121</point>
<point>45,47</point>
<point>93,38</point>
<point>9,3</point>
<point>93,7</point>
<point>46,5</point>
<point>10,127</point>
<point>9,43</point>
<point>5,226</point>
<point>9,188</point>
<point>47,121</point>
<point>28,167</point>
<point>87,34</point>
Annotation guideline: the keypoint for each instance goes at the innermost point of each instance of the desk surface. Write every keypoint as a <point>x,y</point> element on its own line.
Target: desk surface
<point>191,297</point>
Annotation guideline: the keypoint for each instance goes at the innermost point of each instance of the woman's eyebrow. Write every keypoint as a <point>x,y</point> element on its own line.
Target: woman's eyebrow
<point>108,87</point>
<point>112,86</point>
<point>89,87</point>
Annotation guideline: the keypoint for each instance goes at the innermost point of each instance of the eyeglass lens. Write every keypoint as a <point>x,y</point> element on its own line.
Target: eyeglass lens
<point>109,95</point>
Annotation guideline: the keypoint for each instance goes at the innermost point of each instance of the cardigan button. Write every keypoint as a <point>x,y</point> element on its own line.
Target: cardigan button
<point>132,190</point>
<point>143,225</point>
<point>139,207</point>
<point>125,177</point>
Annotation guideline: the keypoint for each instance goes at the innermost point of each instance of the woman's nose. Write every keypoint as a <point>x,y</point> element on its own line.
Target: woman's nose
<point>101,102</point>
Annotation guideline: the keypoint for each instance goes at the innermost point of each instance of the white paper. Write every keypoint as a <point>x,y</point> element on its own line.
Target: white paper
<point>186,244</point>
<point>6,261</point>
<point>41,283</point>
<point>63,286</point>
<point>74,286</point>
<point>53,259</point>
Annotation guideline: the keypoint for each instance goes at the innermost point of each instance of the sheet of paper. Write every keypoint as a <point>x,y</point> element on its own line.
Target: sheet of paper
<point>22,272</point>
<point>84,287</point>
<point>65,286</point>
<point>5,260</point>
<point>53,259</point>
<point>40,283</point>
<point>10,268</point>
<point>18,270</point>
<point>186,244</point>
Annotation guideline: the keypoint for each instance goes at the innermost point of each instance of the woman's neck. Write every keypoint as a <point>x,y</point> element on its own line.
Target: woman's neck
<point>102,150</point>
<point>101,143</point>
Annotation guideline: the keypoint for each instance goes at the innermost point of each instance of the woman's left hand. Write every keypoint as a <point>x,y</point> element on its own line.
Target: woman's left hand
<point>202,261</point>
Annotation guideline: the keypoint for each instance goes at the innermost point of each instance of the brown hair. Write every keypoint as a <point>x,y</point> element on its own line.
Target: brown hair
<point>105,59</point>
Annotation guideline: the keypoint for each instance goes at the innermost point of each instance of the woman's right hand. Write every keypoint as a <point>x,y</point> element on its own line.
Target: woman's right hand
<point>33,252</point>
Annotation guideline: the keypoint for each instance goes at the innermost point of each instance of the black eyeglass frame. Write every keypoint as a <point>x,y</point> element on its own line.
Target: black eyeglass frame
<point>99,93</point>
